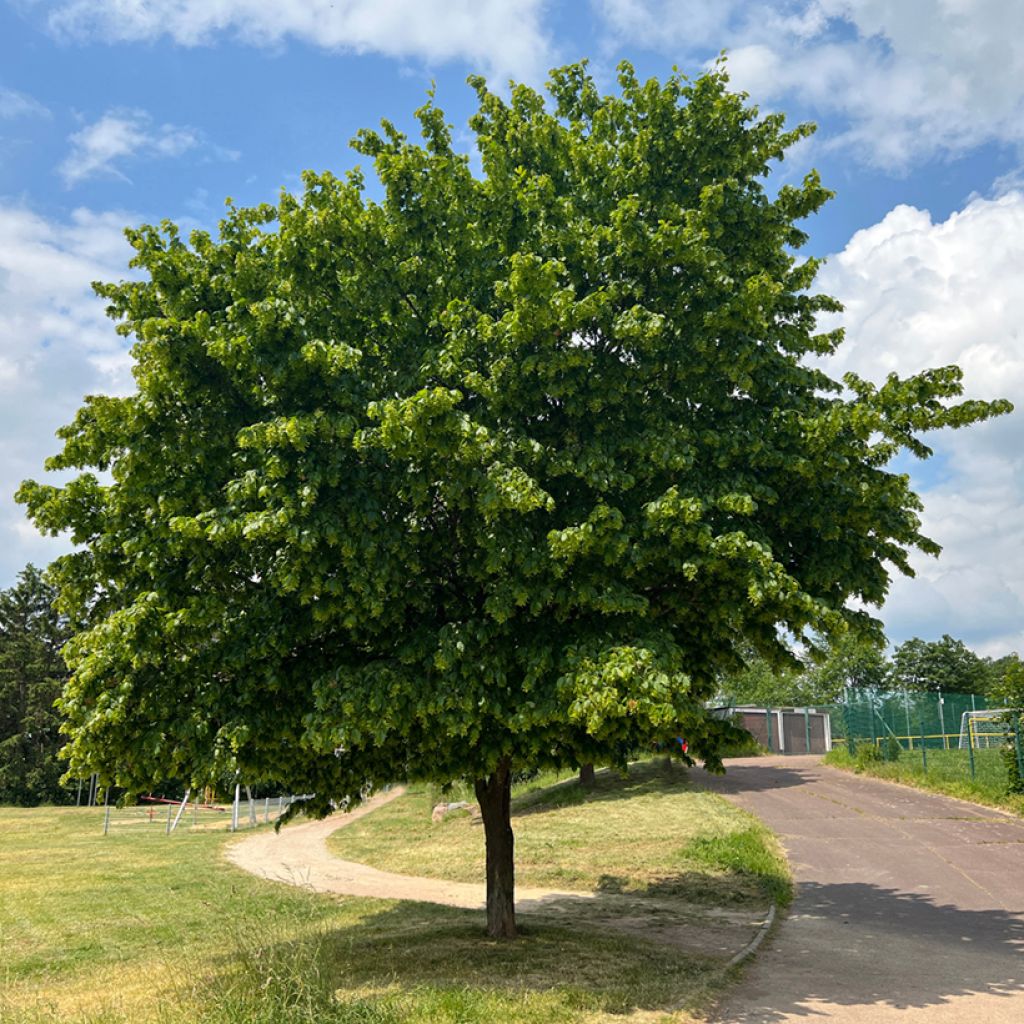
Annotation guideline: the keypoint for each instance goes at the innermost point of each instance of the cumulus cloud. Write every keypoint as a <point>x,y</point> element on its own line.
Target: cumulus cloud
<point>911,78</point>
<point>918,294</point>
<point>101,149</point>
<point>56,345</point>
<point>499,37</point>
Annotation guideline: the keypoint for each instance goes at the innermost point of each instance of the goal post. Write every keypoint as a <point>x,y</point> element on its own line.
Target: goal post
<point>982,730</point>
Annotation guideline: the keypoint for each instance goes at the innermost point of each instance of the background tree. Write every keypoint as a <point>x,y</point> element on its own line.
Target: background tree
<point>764,683</point>
<point>945,664</point>
<point>848,660</point>
<point>32,675</point>
<point>496,473</point>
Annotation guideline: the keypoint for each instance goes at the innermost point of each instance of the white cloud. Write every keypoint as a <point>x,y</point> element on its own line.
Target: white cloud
<point>101,148</point>
<point>922,294</point>
<point>56,345</point>
<point>16,104</point>
<point>910,78</point>
<point>496,36</point>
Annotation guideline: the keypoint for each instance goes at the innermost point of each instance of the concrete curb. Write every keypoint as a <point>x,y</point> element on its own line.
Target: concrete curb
<point>751,947</point>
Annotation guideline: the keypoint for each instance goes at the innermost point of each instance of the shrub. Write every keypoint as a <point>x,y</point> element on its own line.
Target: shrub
<point>892,749</point>
<point>867,756</point>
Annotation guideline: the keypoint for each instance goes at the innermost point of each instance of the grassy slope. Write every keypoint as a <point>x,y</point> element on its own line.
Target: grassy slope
<point>143,927</point>
<point>948,772</point>
<point>651,832</point>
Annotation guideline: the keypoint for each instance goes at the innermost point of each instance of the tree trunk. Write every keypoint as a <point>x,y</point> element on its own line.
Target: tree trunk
<point>494,794</point>
<point>587,775</point>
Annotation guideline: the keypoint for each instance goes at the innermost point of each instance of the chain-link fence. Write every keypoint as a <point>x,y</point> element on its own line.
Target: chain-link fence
<point>949,736</point>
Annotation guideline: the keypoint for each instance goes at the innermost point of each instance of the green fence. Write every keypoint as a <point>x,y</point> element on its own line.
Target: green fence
<point>950,736</point>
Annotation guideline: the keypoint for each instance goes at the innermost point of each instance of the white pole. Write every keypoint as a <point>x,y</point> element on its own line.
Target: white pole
<point>106,811</point>
<point>234,808</point>
<point>184,804</point>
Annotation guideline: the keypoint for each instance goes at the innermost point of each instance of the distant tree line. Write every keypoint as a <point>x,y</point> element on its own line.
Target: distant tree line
<point>821,677</point>
<point>32,675</point>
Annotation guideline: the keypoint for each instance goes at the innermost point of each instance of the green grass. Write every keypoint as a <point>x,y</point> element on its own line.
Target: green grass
<point>948,772</point>
<point>142,927</point>
<point>650,833</point>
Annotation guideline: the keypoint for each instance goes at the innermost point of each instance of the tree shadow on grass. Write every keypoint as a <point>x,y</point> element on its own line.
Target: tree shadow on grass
<point>418,961</point>
<point>656,775</point>
<point>860,945</point>
<point>852,945</point>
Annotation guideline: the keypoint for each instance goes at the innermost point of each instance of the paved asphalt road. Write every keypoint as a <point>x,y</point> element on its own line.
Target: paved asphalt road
<point>910,906</point>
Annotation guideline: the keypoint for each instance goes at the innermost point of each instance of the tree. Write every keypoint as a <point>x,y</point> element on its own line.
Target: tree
<point>848,660</point>
<point>760,682</point>
<point>945,664</point>
<point>32,674</point>
<point>496,473</point>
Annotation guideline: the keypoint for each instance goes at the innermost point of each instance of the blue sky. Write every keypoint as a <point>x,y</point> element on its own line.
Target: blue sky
<point>120,111</point>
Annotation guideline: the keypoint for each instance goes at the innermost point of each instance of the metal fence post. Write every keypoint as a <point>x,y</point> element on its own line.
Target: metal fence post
<point>168,832</point>
<point>970,751</point>
<point>234,808</point>
<point>106,810</point>
<point>807,729</point>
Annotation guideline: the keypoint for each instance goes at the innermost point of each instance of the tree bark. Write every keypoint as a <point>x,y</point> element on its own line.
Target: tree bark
<point>587,775</point>
<point>494,794</point>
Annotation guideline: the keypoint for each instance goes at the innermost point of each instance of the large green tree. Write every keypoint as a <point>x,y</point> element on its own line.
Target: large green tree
<point>32,675</point>
<point>497,471</point>
<point>945,664</point>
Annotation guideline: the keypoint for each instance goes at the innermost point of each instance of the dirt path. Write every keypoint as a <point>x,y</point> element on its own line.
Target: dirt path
<point>298,855</point>
<point>910,905</point>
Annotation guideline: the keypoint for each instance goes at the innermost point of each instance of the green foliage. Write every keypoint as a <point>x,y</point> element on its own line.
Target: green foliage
<point>750,852</point>
<point>851,659</point>
<point>32,674</point>
<point>1008,686</point>
<point>500,467</point>
<point>892,749</point>
<point>867,755</point>
<point>945,664</point>
<point>761,683</point>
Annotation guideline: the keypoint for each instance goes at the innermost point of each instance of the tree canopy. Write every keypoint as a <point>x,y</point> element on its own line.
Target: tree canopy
<point>32,675</point>
<point>498,470</point>
<point>946,664</point>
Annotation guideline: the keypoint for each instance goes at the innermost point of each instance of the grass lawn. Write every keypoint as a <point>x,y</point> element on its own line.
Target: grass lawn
<point>650,833</point>
<point>948,772</point>
<point>143,927</point>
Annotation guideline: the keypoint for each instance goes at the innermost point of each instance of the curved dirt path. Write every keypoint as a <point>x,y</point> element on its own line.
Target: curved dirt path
<point>909,908</point>
<point>298,855</point>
